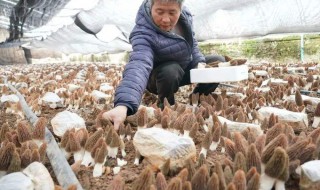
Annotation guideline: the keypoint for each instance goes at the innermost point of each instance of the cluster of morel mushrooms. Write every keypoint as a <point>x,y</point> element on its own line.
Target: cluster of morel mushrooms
<point>265,128</point>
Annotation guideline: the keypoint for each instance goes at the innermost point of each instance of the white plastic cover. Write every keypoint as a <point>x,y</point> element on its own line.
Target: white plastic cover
<point>218,19</point>
<point>158,145</point>
<point>312,170</point>
<point>66,120</point>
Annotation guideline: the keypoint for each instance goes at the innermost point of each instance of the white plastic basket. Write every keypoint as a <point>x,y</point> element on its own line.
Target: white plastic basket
<point>219,74</point>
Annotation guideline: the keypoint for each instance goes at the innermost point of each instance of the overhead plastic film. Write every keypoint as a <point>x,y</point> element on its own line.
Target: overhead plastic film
<point>106,25</point>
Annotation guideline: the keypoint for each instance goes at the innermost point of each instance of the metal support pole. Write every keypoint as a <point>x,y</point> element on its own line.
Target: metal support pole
<point>302,48</point>
<point>60,165</point>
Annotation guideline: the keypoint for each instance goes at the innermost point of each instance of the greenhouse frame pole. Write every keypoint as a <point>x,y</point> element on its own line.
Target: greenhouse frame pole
<point>302,47</point>
<point>64,174</point>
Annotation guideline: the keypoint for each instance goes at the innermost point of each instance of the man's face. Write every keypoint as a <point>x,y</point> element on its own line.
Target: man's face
<point>165,14</point>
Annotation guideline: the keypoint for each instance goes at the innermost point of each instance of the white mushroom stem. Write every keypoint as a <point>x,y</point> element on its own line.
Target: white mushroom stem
<point>205,127</point>
<point>98,169</point>
<point>121,162</point>
<point>123,152</point>
<point>76,106</point>
<point>214,145</point>
<point>78,156</point>
<point>37,112</point>
<point>186,133</point>
<point>87,159</point>
<point>266,182</point>
<point>150,112</point>
<point>208,121</point>
<point>137,158</point>
<point>263,167</point>
<point>316,122</point>
<point>204,152</point>
<point>194,108</point>
<point>121,137</point>
<point>308,86</point>
<point>40,101</point>
<point>9,110</point>
<point>128,137</point>
<point>112,151</point>
<point>66,102</point>
<point>223,150</point>
<point>136,161</point>
<point>122,148</point>
<point>62,101</point>
<point>69,107</point>
<point>280,185</point>
<point>116,170</point>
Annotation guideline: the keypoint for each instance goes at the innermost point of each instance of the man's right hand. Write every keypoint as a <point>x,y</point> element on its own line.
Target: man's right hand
<point>117,115</point>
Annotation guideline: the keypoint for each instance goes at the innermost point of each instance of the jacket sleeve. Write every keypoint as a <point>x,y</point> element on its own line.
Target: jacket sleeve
<point>136,73</point>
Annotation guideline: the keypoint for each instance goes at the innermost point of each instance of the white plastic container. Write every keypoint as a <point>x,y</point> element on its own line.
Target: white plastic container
<point>219,74</point>
<point>260,73</point>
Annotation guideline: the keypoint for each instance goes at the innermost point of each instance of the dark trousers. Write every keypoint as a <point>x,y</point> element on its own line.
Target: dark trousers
<point>166,79</point>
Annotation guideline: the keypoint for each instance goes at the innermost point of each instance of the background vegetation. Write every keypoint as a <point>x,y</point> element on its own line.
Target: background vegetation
<point>278,49</point>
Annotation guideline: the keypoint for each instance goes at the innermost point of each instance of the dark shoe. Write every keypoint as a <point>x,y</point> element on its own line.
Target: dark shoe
<point>205,88</point>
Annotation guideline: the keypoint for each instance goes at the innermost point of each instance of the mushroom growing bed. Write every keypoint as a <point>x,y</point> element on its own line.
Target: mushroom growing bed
<point>252,134</point>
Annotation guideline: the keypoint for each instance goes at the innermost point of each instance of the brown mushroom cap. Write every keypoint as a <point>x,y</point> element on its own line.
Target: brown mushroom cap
<point>39,129</point>
<point>6,153</point>
<point>200,178</point>
<point>23,132</point>
<point>93,139</point>
<point>161,182</point>
<point>101,153</point>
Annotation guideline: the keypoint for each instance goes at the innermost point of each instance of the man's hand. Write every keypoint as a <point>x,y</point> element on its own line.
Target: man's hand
<point>117,115</point>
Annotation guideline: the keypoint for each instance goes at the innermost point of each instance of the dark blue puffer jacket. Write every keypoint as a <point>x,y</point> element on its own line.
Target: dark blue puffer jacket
<point>151,47</point>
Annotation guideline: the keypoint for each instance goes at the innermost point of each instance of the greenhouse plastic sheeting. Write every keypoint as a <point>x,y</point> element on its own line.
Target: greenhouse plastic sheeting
<point>213,19</point>
<point>72,39</point>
